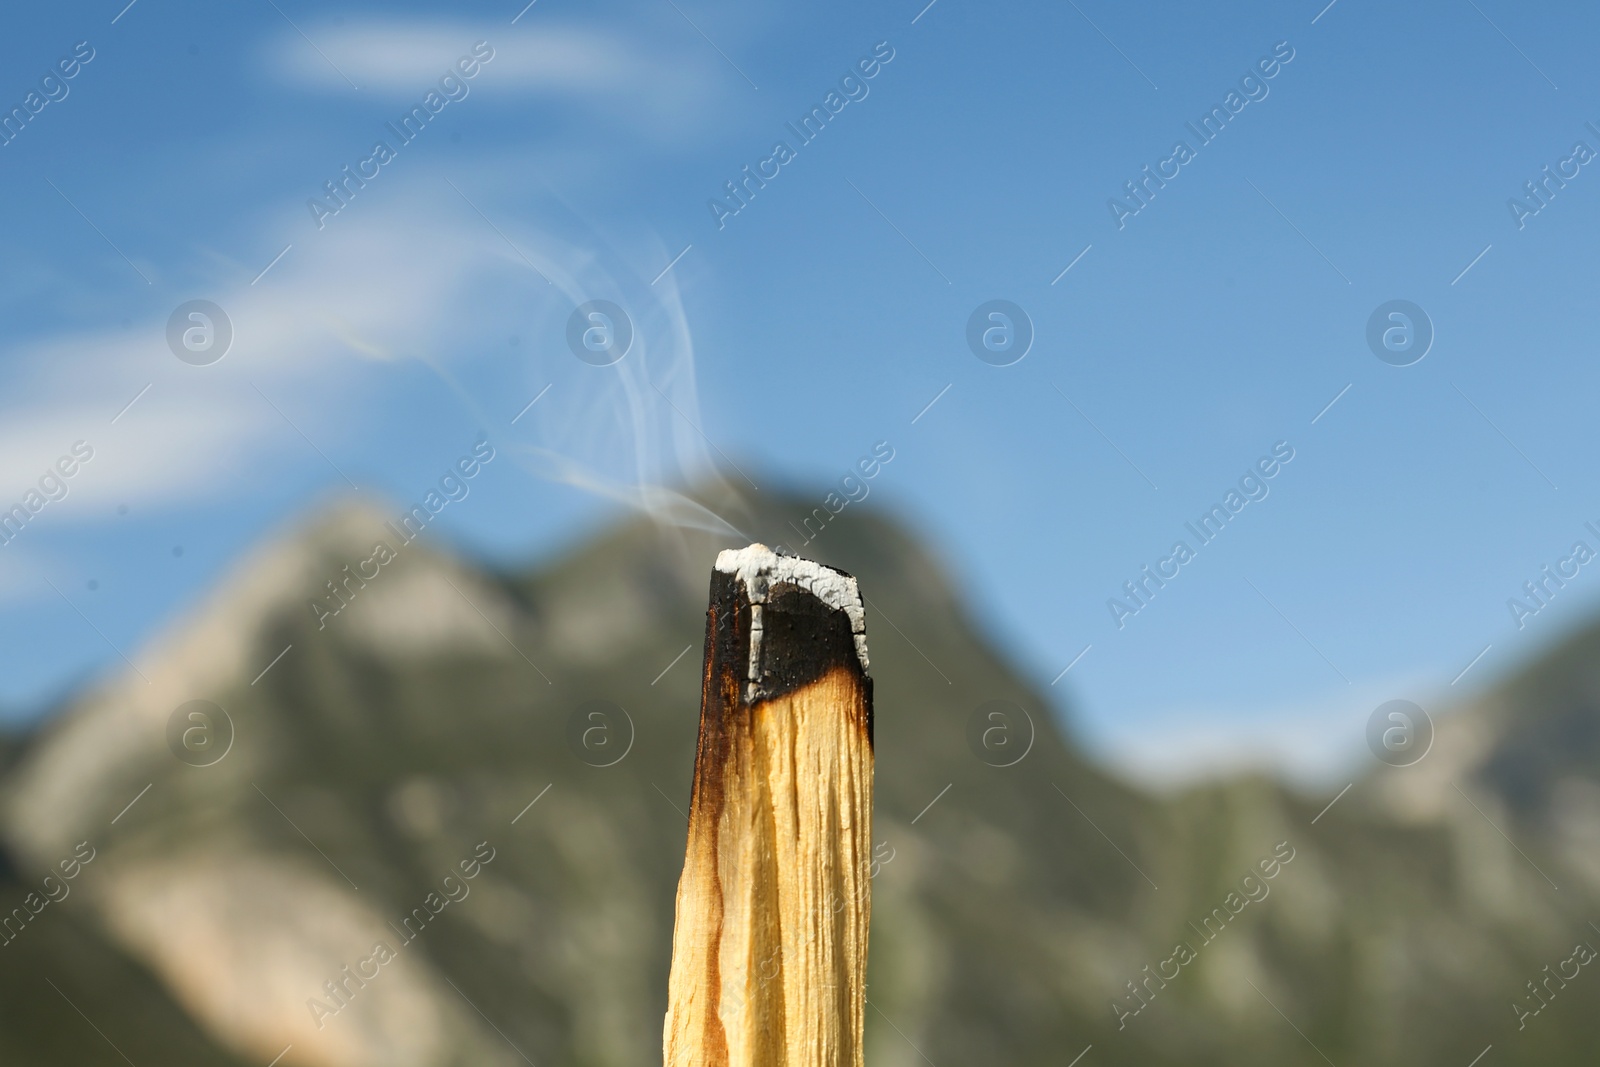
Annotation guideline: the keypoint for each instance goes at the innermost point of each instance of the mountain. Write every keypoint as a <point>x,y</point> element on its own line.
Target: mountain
<point>437,818</point>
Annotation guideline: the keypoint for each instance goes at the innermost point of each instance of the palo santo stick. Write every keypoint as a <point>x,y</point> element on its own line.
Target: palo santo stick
<point>769,952</point>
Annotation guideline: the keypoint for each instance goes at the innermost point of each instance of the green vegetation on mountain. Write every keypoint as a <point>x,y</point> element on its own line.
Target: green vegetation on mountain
<point>235,909</point>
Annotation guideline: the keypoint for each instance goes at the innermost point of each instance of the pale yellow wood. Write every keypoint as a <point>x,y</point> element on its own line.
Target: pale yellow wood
<point>770,945</point>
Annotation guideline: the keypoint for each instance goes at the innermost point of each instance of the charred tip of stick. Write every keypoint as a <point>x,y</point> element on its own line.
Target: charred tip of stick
<point>790,620</point>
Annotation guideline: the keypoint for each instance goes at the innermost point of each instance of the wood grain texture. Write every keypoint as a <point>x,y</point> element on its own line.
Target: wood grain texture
<point>770,944</point>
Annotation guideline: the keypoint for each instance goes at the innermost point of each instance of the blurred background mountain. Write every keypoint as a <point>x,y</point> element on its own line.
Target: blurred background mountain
<point>372,751</point>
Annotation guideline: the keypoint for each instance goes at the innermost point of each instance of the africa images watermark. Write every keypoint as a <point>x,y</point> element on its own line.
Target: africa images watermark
<point>452,487</point>
<point>1542,189</point>
<point>53,89</point>
<point>1252,889</point>
<point>342,989</point>
<point>1252,487</point>
<point>1538,592</point>
<point>1253,85</point>
<point>52,486</point>
<point>452,87</point>
<point>1553,982</point>
<point>852,487</point>
<point>55,891</point>
<point>853,87</point>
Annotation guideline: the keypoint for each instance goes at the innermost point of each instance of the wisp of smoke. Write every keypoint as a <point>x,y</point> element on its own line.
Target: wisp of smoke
<point>630,431</point>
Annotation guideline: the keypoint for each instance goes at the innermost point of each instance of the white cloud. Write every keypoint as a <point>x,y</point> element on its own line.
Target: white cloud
<point>407,58</point>
<point>642,82</point>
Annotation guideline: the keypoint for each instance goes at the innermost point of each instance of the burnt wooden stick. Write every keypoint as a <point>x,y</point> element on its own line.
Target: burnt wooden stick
<point>769,951</point>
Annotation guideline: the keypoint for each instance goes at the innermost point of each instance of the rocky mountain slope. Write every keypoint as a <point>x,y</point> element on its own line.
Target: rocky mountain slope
<point>399,835</point>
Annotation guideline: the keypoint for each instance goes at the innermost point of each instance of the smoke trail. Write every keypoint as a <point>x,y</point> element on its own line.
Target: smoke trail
<point>631,431</point>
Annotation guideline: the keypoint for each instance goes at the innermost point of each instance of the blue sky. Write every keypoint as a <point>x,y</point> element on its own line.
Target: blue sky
<point>976,164</point>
